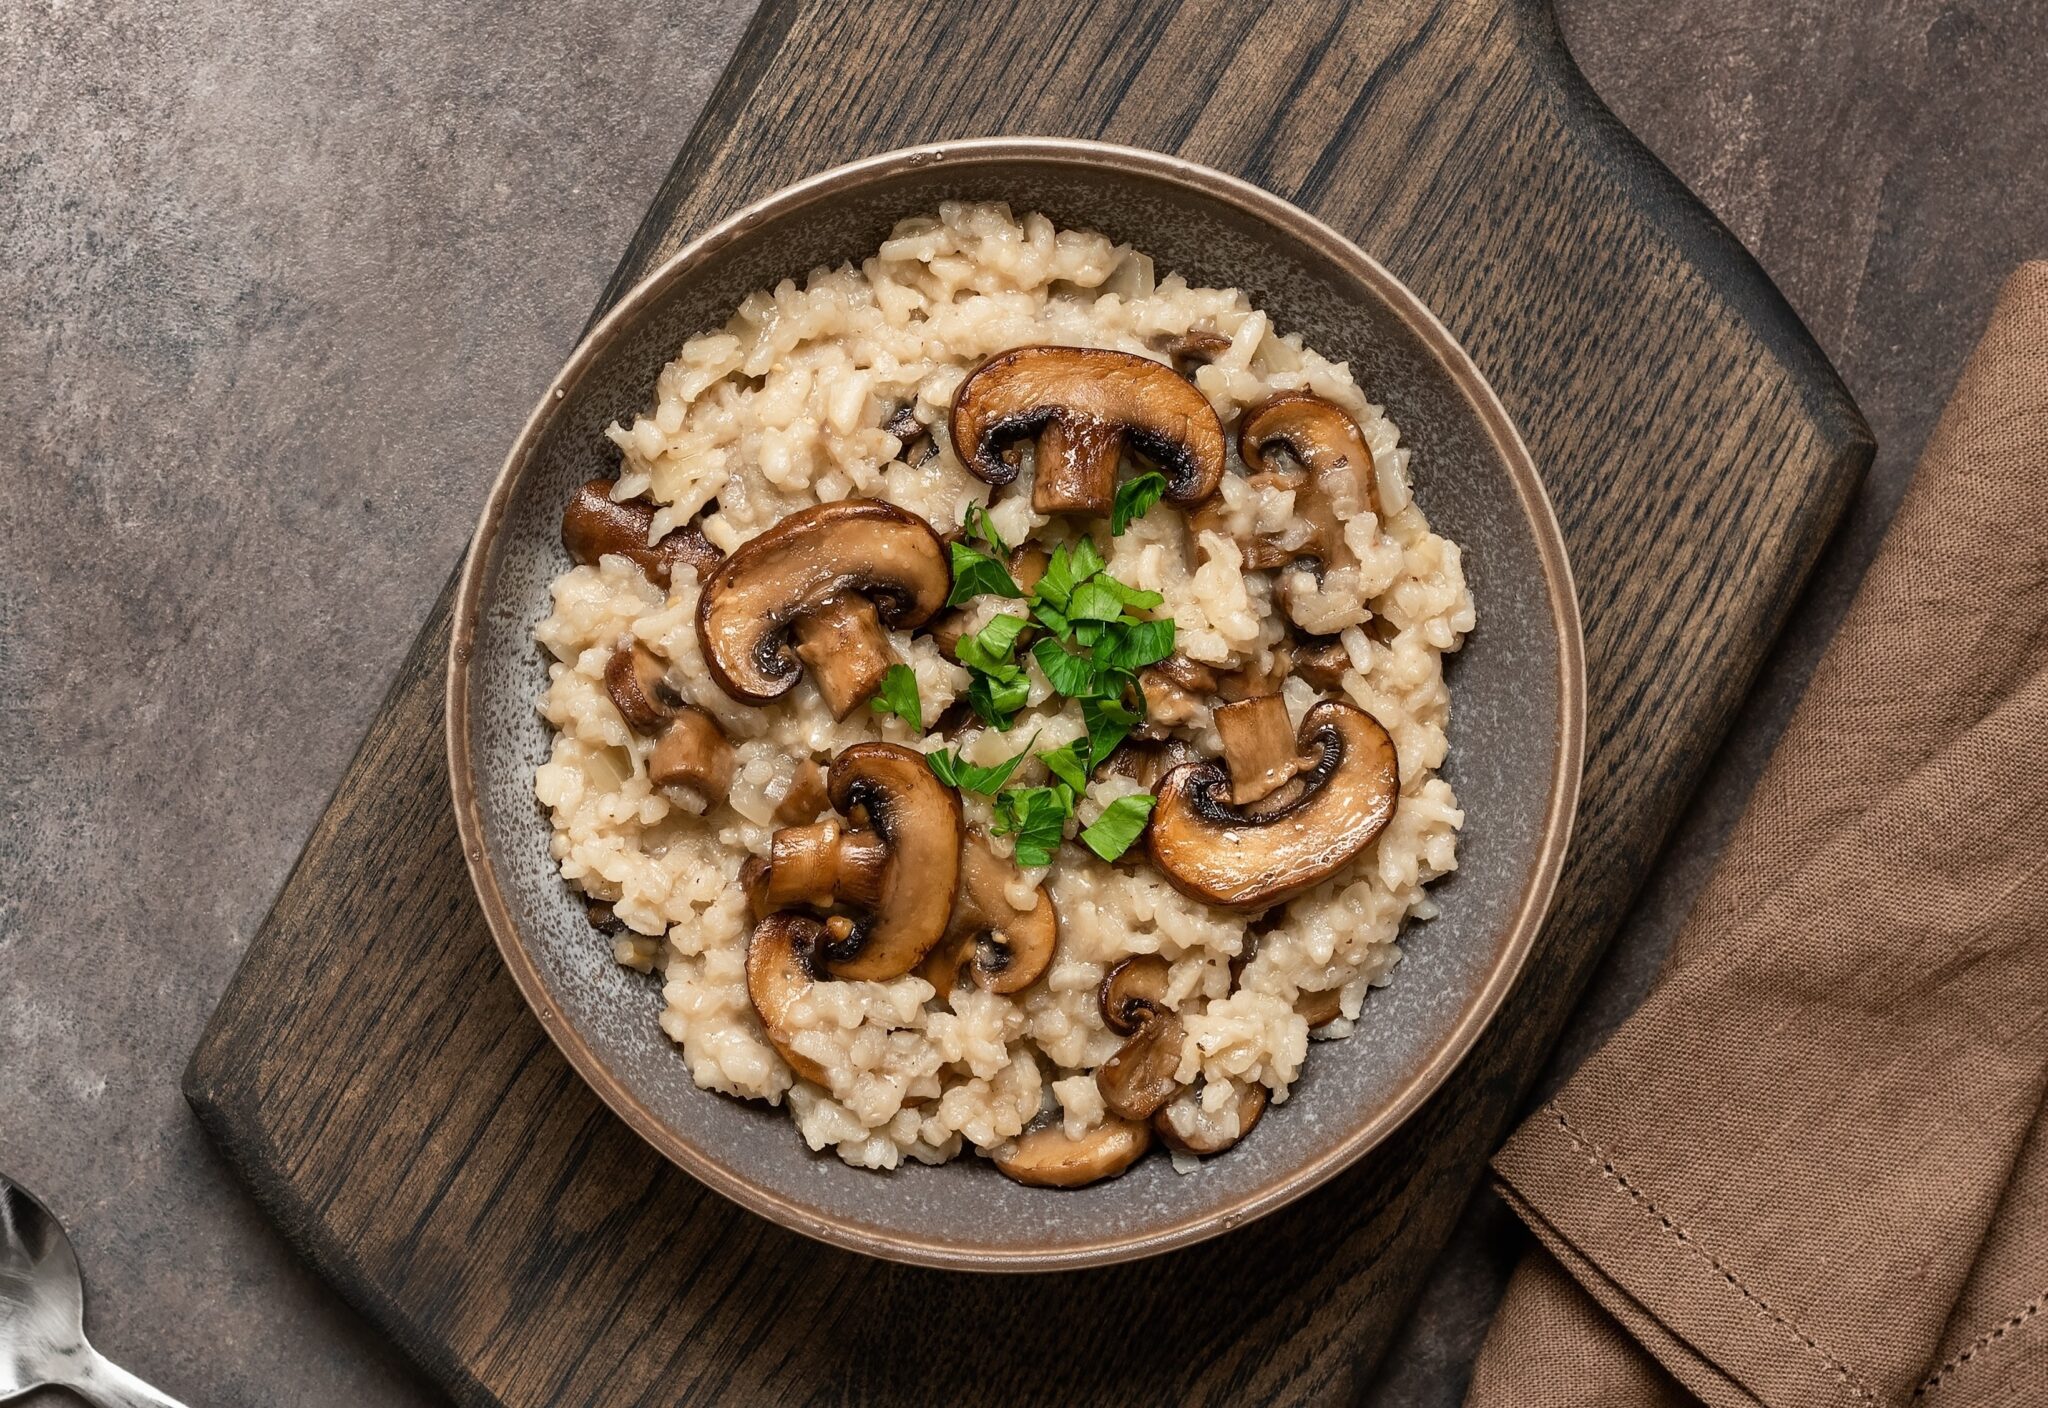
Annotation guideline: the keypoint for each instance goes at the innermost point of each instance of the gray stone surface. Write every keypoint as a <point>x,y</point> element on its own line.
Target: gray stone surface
<point>276,286</point>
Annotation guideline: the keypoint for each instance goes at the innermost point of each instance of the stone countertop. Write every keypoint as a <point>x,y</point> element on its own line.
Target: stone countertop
<point>278,285</point>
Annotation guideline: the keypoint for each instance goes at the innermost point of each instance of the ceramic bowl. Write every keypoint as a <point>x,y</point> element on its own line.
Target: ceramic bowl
<point>1517,693</point>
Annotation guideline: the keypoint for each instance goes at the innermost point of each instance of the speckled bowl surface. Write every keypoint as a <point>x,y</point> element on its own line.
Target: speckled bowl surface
<point>1517,694</point>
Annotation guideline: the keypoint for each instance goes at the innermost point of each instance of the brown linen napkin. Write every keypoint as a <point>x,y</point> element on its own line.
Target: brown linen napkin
<point>1813,1167</point>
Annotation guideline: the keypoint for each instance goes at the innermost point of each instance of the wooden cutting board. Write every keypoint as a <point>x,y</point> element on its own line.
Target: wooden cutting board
<point>373,1074</point>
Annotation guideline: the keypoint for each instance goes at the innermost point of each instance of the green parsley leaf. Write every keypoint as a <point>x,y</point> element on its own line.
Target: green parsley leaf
<point>1069,763</point>
<point>1131,645</point>
<point>1120,824</point>
<point>1133,598</point>
<point>1076,676</point>
<point>1069,566</point>
<point>1052,619</point>
<point>1094,601</point>
<point>993,646</point>
<point>1109,723</point>
<point>1037,817</point>
<point>1134,499</point>
<point>979,526</point>
<point>969,777</point>
<point>996,698</point>
<point>977,574</point>
<point>898,696</point>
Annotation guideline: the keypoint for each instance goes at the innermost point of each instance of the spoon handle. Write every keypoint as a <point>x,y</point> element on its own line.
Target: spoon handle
<point>110,1386</point>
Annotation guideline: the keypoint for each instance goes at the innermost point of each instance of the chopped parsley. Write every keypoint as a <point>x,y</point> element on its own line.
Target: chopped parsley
<point>993,647</point>
<point>1121,822</point>
<point>1037,817</point>
<point>898,696</point>
<point>1134,499</point>
<point>969,777</point>
<point>977,574</point>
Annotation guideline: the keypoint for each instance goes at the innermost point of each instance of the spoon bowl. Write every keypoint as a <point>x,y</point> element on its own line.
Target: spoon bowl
<point>42,1313</point>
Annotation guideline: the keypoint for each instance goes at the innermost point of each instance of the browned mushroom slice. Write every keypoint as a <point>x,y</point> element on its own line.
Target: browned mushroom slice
<point>1045,1158</point>
<point>637,681</point>
<point>1012,948</point>
<point>1319,1009</point>
<point>1028,562</point>
<point>895,862</point>
<point>1263,677</point>
<point>1258,747</point>
<point>1133,991</point>
<point>1174,690</point>
<point>831,576</point>
<point>1195,346</point>
<point>1322,662</point>
<point>805,797</point>
<point>1339,480</point>
<point>782,961</point>
<point>1197,1131</point>
<point>1214,851</point>
<point>693,752</point>
<point>1086,405</point>
<point>1145,760</point>
<point>1140,1077</point>
<point>593,526</point>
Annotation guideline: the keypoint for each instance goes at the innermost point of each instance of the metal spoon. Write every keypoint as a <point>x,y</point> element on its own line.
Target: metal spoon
<point>42,1314</point>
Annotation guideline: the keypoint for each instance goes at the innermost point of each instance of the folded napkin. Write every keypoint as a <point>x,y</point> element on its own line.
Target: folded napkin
<point>1813,1167</point>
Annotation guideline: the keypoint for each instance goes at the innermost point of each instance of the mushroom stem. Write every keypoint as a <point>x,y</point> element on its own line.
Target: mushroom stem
<point>843,645</point>
<point>821,865</point>
<point>693,752</point>
<point>1258,747</point>
<point>1076,460</point>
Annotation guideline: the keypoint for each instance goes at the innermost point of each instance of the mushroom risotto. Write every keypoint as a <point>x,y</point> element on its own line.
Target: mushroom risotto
<point>1001,696</point>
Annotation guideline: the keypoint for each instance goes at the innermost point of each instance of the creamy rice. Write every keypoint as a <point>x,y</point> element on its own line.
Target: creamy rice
<point>785,407</point>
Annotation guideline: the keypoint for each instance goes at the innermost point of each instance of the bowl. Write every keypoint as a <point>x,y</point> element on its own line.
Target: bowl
<point>1517,702</point>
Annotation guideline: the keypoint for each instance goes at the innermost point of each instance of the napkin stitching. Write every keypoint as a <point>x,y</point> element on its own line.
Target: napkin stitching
<point>1985,1341</point>
<point>1599,1159</point>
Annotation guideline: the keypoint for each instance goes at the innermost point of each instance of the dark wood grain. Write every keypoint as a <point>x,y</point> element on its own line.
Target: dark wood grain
<point>375,1078</point>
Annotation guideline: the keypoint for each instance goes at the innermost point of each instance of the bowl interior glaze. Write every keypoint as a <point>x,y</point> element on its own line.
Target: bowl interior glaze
<point>1516,699</point>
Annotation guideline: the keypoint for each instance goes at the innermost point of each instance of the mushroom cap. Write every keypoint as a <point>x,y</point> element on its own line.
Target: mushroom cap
<point>782,960</point>
<point>888,789</point>
<point>693,752</point>
<point>593,525</point>
<point>1087,404</point>
<point>814,559</point>
<point>1316,431</point>
<point>1141,1076</point>
<point>1131,991</point>
<point>1045,1158</point>
<point>1251,857</point>
<point>1251,1104</point>
<point>1010,948</point>
<point>637,681</point>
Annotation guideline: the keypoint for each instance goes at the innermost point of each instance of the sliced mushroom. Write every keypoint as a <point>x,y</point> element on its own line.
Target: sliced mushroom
<point>831,576</point>
<point>1146,760</point>
<point>1086,405</point>
<point>1006,949</point>
<point>1174,690</point>
<point>1319,1009</point>
<point>1133,991</point>
<point>1045,1158</point>
<point>895,862</point>
<point>1028,562</point>
<point>1258,747</point>
<point>1322,662</point>
<point>782,959</point>
<point>1254,680</point>
<point>1202,1136</point>
<point>593,526</point>
<point>805,797</point>
<point>693,752</point>
<point>1140,1076</point>
<point>637,681</point>
<point>1195,346</point>
<point>1339,478</point>
<point>1241,858</point>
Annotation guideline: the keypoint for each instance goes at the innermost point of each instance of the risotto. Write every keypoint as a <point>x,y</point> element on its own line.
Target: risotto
<point>1001,696</point>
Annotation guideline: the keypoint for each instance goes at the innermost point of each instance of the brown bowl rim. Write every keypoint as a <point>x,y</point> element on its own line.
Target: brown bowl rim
<point>1510,956</point>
